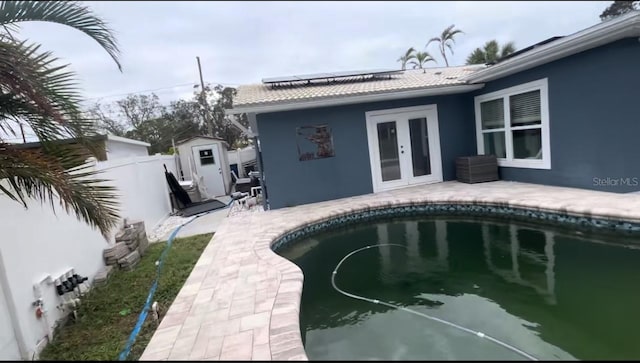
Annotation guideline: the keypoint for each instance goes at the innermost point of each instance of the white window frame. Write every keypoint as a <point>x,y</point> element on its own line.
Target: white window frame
<point>538,85</point>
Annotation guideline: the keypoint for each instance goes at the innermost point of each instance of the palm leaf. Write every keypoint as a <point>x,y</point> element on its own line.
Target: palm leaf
<point>43,97</point>
<point>69,13</point>
<point>450,47</point>
<point>37,92</point>
<point>451,35</point>
<point>434,39</point>
<point>446,31</point>
<point>409,53</point>
<point>47,178</point>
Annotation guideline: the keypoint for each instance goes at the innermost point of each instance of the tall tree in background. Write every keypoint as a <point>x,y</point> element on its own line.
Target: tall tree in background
<point>446,40</point>
<point>222,126</point>
<point>142,117</point>
<point>406,57</point>
<point>44,96</point>
<point>421,59</point>
<point>137,109</point>
<point>618,8</point>
<point>490,52</point>
<point>105,122</point>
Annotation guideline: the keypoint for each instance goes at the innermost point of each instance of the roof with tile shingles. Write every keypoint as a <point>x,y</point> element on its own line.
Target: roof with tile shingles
<point>262,94</point>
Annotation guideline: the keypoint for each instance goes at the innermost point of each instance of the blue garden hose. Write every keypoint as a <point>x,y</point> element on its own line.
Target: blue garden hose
<point>147,305</point>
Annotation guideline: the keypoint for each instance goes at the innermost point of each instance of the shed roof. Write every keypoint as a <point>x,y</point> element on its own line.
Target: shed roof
<point>200,137</point>
<point>97,137</point>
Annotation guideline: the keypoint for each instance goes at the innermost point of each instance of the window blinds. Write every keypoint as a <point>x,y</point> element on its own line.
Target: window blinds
<point>492,114</point>
<point>525,109</point>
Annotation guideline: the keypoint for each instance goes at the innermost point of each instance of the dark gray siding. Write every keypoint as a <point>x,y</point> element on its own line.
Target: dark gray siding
<point>291,182</point>
<point>594,111</point>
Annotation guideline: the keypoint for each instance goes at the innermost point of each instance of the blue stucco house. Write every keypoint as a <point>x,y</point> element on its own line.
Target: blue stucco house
<point>563,112</point>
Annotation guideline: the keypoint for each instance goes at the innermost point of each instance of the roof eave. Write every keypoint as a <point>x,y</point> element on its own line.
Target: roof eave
<point>125,140</point>
<point>601,34</point>
<point>346,100</point>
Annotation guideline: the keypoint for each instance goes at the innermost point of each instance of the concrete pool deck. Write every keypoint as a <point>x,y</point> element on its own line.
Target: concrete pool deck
<point>242,300</point>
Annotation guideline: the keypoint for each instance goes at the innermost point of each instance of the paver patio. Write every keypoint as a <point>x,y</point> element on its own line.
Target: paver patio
<point>242,301</point>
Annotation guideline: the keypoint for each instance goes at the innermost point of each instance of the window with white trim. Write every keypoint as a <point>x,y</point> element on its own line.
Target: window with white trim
<point>513,124</point>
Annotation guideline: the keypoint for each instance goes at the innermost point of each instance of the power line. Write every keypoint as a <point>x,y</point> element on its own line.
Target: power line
<point>142,91</point>
<point>161,88</point>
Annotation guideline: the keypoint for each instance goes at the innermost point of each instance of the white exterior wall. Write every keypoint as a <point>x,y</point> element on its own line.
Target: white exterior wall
<point>184,150</point>
<point>247,154</point>
<point>119,150</point>
<point>36,242</point>
<point>142,186</point>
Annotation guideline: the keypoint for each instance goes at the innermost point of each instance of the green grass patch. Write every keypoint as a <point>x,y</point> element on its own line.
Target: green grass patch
<point>108,313</point>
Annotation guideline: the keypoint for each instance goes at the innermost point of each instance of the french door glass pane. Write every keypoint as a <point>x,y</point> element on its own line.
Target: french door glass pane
<point>419,146</point>
<point>388,145</point>
<point>494,144</point>
<point>492,114</point>
<point>527,144</point>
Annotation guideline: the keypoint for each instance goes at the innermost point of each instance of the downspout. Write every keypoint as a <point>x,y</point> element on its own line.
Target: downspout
<point>11,306</point>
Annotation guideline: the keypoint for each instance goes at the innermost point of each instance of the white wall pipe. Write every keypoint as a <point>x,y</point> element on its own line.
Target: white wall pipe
<point>4,281</point>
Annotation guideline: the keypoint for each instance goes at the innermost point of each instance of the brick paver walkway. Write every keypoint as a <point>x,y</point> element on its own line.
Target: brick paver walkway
<point>242,301</point>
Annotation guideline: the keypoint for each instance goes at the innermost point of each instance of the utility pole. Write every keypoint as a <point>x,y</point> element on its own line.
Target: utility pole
<point>203,97</point>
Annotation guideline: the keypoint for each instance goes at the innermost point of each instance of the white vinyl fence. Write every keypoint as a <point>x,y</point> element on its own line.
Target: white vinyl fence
<point>36,243</point>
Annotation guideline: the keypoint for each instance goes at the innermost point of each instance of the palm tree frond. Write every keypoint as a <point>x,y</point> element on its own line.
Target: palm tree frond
<point>41,96</point>
<point>450,47</point>
<point>434,39</point>
<point>36,91</point>
<point>69,13</point>
<point>34,174</point>
<point>409,53</point>
<point>446,31</point>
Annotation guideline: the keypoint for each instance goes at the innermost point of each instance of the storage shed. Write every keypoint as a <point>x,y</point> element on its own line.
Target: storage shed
<point>204,159</point>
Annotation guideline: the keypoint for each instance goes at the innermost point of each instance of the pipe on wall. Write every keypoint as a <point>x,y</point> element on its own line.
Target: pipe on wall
<point>4,282</point>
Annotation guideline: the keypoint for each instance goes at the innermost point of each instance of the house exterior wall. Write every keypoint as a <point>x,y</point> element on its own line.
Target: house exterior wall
<point>37,242</point>
<point>292,182</point>
<point>184,151</point>
<point>593,111</point>
<point>119,150</point>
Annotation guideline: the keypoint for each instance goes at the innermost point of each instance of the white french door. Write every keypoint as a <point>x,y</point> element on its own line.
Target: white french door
<point>404,147</point>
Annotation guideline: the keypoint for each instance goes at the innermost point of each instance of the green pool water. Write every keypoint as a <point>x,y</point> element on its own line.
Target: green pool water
<point>555,293</point>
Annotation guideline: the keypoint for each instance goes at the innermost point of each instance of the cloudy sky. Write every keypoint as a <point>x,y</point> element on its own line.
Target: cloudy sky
<point>243,42</point>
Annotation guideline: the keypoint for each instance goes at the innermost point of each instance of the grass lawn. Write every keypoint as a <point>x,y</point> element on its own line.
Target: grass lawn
<point>108,313</point>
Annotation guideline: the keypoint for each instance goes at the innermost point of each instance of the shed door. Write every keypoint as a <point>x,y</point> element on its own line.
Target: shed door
<point>8,344</point>
<point>209,166</point>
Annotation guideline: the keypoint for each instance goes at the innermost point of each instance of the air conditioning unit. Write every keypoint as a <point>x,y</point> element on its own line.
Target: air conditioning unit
<point>477,169</point>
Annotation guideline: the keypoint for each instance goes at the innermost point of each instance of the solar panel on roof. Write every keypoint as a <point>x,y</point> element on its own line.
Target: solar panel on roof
<point>316,76</point>
<point>279,79</point>
<point>363,73</point>
<point>306,77</point>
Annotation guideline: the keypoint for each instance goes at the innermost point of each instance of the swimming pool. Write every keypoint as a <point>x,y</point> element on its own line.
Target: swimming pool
<point>553,291</point>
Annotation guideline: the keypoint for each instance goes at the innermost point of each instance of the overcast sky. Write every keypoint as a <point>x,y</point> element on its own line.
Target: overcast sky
<point>243,42</point>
